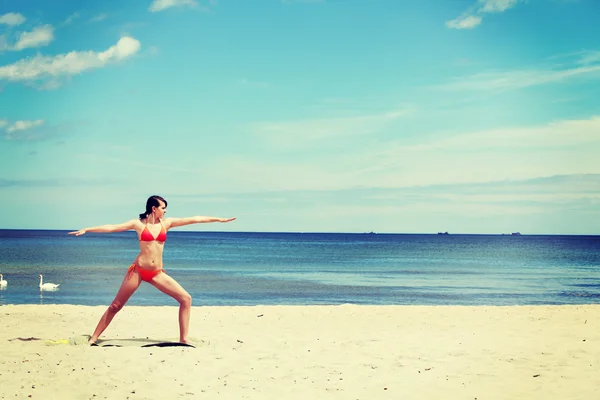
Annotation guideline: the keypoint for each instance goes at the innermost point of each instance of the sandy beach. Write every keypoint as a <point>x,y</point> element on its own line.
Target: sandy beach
<point>306,352</point>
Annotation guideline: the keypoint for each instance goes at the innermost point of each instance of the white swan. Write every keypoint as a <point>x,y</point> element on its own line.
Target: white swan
<point>3,283</point>
<point>48,286</point>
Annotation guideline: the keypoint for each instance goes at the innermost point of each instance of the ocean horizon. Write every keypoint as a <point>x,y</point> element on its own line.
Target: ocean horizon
<point>304,268</point>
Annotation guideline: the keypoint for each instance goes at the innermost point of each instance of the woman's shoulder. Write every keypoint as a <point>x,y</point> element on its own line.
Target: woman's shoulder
<point>167,222</point>
<point>137,223</point>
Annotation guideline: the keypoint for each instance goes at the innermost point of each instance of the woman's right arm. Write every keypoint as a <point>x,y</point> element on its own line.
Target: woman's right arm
<point>125,226</point>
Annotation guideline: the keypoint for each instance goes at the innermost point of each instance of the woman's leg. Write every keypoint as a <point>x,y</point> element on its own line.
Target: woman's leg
<point>128,287</point>
<point>168,285</point>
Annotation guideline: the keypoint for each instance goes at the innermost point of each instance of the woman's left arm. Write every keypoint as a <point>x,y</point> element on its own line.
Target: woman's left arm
<point>175,222</point>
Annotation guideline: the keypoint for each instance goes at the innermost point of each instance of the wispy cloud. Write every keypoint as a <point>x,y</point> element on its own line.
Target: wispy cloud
<point>160,5</point>
<point>71,18</point>
<point>559,134</point>
<point>590,57</point>
<point>29,131</point>
<point>99,17</point>
<point>24,125</point>
<point>491,6</point>
<point>12,19</point>
<point>488,200</point>
<point>48,69</point>
<point>464,22</point>
<point>23,131</point>
<point>38,37</point>
<point>511,153</point>
<point>559,148</point>
<point>587,66</point>
<point>540,188</point>
<point>473,17</point>
<point>305,132</point>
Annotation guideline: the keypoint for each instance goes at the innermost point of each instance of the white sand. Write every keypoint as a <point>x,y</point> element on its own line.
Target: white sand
<point>308,352</point>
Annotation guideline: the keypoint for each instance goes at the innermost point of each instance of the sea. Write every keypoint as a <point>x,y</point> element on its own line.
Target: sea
<point>253,268</point>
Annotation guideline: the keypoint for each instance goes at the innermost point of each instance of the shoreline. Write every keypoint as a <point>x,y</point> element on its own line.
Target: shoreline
<point>340,351</point>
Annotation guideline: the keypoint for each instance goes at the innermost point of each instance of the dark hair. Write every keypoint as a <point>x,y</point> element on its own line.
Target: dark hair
<point>153,201</point>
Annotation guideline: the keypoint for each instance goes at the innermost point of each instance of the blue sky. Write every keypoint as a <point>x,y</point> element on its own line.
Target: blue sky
<point>417,116</point>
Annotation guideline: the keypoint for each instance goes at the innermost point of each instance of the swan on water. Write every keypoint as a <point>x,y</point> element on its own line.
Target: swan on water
<point>48,285</point>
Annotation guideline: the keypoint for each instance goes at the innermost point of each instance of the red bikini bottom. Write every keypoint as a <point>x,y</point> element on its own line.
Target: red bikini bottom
<point>145,274</point>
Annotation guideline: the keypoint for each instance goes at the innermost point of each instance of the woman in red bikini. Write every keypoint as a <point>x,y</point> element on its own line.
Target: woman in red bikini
<point>152,229</point>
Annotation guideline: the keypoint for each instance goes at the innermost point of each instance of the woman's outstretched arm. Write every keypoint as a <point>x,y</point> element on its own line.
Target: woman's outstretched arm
<point>125,226</point>
<point>174,222</point>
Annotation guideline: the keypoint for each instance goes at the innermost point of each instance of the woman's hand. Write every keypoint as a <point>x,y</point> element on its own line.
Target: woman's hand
<point>78,233</point>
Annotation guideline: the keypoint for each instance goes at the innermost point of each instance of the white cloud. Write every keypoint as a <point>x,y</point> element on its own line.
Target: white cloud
<point>558,148</point>
<point>3,123</point>
<point>159,5</point>
<point>590,57</point>
<point>558,134</point>
<point>99,17</point>
<point>40,36</point>
<point>489,6</point>
<point>25,131</point>
<point>518,79</point>
<point>49,68</point>
<point>465,22</point>
<point>563,148</point>
<point>472,18</point>
<point>12,19</point>
<point>512,153</point>
<point>23,125</point>
<point>71,18</point>
<point>292,134</point>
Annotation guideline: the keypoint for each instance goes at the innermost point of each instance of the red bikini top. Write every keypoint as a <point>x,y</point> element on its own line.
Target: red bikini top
<point>146,235</point>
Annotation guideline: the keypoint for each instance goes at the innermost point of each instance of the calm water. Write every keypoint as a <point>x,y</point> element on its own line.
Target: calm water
<point>287,268</point>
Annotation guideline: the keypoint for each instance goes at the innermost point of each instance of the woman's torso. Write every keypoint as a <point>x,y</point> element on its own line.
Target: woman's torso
<point>152,242</point>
